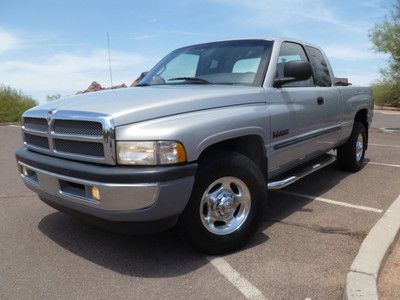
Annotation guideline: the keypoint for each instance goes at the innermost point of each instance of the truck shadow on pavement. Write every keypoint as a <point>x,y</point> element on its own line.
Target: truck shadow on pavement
<point>148,256</point>
<point>165,254</point>
<point>281,206</point>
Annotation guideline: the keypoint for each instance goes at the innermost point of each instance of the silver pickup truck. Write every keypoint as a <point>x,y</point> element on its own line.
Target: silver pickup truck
<point>198,142</point>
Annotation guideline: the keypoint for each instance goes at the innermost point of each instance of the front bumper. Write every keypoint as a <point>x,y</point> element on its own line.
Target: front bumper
<point>128,194</point>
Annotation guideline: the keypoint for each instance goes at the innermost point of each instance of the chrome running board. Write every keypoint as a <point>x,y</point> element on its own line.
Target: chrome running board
<point>316,165</point>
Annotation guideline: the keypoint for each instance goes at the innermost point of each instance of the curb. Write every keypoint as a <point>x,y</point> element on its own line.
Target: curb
<point>387,108</point>
<point>390,130</point>
<point>362,278</point>
<point>9,123</point>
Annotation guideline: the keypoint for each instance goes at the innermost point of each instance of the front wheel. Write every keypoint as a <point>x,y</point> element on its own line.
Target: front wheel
<point>226,204</point>
<point>350,155</point>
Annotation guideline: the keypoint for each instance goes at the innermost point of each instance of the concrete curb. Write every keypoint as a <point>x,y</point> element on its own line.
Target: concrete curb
<point>362,279</point>
<point>387,108</point>
<point>10,123</point>
<point>390,130</point>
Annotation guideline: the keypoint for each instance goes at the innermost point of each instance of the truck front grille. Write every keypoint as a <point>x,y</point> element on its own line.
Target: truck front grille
<point>82,148</point>
<point>78,127</point>
<point>63,135</point>
<point>37,124</point>
<point>37,141</point>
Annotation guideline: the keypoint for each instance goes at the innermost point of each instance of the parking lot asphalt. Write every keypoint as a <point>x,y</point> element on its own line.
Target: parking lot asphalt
<point>309,238</point>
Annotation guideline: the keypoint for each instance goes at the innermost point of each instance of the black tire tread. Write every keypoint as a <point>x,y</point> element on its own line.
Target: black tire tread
<point>346,153</point>
<point>219,164</point>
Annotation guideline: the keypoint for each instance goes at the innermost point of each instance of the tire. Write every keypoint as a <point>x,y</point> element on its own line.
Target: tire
<point>350,156</point>
<point>227,186</point>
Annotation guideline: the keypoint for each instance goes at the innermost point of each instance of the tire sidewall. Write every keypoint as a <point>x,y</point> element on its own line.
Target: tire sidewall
<point>226,164</point>
<point>359,129</point>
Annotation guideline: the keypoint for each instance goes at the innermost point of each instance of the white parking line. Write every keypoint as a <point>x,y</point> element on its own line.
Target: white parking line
<point>18,126</point>
<point>334,202</point>
<point>382,164</point>
<point>242,284</point>
<point>383,145</point>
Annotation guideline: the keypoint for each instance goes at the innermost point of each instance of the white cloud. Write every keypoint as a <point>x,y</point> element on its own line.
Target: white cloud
<point>8,41</point>
<point>288,12</point>
<point>72,72</point>
<point>350,53</point>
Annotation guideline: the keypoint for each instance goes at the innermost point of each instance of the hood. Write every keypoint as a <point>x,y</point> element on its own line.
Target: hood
<point>137,104</point>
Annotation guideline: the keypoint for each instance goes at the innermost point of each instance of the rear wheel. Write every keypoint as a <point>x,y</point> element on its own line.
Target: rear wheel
<point>350,155</point>
<point>226,204</point>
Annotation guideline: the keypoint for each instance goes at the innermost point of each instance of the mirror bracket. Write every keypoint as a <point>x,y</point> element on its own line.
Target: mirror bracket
<point>281,81</point>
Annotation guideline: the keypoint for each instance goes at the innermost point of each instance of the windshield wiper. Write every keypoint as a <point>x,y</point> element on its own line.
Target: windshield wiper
<point>193,79</point>
<point>142,84</point>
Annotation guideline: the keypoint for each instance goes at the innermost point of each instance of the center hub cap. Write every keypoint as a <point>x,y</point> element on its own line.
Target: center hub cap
<point>225,204</point>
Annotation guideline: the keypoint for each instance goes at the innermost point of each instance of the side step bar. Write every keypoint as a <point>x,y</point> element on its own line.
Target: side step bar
<point>307,170</point>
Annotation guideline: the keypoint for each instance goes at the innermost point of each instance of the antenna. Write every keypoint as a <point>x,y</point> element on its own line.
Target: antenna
<point>109,58</point>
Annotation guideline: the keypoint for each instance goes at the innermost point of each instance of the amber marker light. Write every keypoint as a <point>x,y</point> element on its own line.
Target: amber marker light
<point>95,193</point>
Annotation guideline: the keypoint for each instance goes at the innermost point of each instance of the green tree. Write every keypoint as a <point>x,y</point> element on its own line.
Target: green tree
<point>53,97</point>
<point>386,39</point>
<point>13,103</point>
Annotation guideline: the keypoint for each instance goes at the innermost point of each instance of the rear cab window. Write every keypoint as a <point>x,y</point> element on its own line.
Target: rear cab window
<point>322,76</point>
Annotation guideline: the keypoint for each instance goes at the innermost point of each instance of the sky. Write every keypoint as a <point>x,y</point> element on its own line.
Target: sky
<point>60,47</point>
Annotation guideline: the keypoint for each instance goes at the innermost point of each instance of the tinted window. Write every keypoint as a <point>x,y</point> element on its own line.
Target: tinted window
<point>292,52</point>
<point>320,67</point>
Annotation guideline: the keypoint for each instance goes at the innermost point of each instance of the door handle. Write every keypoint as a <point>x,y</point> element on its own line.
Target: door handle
<point>320,100</point>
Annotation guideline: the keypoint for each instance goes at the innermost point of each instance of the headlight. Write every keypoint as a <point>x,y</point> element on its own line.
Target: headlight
<point>150,153</point>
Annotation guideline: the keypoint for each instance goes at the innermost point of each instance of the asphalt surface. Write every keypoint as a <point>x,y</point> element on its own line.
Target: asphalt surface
<point>303,249</point>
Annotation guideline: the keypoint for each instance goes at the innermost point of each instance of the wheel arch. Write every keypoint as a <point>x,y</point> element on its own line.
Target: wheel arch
<point>251,146</point>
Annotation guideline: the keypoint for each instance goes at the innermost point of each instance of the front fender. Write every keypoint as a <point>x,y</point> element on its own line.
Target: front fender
<point>201,129</point>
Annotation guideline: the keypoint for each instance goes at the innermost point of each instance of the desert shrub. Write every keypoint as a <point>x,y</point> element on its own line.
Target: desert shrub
<point>13,103</point>
<point>387,93</point>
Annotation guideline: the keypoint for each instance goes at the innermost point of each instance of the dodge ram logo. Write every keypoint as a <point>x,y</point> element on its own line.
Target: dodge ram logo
<point>49,116</point>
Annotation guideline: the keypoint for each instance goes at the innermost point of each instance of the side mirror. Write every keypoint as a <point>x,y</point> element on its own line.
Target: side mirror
<point>294,71</point>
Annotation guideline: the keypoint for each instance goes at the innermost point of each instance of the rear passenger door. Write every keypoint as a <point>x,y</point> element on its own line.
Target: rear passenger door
<point>296,115</point>
<point>330,95</point>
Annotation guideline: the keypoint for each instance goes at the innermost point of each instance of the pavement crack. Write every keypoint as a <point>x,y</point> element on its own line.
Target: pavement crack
<point>326,229</point>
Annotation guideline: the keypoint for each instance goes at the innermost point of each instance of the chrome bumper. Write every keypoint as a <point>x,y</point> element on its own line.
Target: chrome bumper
<point>113,196</point>
<point>130,202</point>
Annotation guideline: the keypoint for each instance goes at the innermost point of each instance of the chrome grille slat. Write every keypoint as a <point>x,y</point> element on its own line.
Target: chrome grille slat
<point>70,134</point>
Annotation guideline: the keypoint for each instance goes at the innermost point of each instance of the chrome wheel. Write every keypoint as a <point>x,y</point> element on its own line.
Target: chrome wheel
<point>225,205</point>
<point>359,147</point>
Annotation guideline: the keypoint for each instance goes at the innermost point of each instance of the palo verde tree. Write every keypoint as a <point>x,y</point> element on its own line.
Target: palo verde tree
<point>386,39</point>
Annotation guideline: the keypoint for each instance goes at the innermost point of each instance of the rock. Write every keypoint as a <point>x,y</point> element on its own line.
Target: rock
<point>137,80</point>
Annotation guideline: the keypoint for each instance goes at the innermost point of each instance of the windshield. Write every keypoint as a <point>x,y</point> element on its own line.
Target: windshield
<point>240,62</point>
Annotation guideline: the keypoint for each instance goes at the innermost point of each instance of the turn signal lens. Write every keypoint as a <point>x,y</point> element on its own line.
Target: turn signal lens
<point>171,153</point>
<point>24,171</point>
<point>95,193</point>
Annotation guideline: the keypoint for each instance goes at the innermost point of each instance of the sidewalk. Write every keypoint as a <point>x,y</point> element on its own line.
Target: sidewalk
<point>389,280</point>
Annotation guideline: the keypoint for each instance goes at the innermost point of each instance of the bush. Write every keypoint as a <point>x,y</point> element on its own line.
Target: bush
<point>387,93</point>
<point>13,103</point>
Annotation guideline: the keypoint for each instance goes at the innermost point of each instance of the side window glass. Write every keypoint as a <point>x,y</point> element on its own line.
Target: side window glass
<point>320,67</point>
<point>292,52</point>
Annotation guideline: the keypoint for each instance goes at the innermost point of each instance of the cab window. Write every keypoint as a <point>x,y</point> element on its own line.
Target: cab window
<point>292,52</point>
